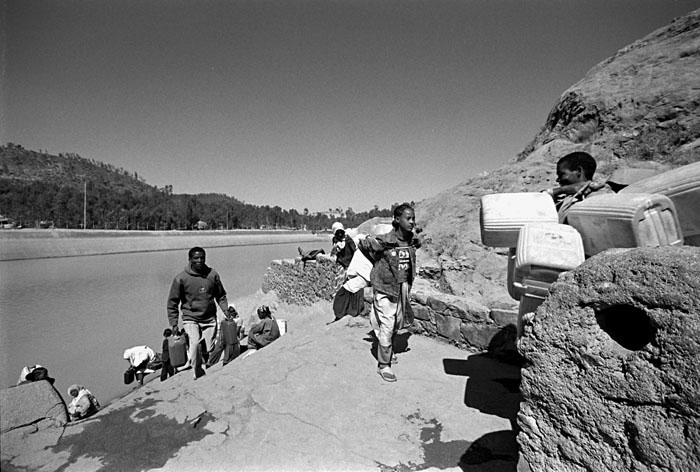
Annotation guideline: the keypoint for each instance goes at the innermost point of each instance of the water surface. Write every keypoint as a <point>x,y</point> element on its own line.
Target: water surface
<point>76,315</point>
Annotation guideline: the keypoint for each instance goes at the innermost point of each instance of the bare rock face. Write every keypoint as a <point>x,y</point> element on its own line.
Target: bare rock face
<point>33,417</point>
<point>33,405</point>
<point>611,380</point>
<point>637,109</point>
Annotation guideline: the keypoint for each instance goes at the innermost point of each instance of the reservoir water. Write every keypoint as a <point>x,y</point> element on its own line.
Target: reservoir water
<point>76,315</point>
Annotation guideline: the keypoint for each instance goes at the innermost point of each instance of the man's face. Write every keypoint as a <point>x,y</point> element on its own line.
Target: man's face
<point>407,220</point>
<point>197,260</point>
<point>566,176</point>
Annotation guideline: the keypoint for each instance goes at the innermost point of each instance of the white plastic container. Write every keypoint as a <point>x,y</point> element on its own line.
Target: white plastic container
<point>282,325</point>
<point>625,220</point>
<point>544,251</point>
<point>503,214</point>
<point>682,186</point>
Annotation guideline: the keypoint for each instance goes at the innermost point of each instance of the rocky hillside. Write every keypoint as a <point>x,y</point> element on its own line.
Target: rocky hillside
<point>639,108</point>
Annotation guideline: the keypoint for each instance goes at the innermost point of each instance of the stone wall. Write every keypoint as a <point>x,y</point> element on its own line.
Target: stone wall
<point>461,321</point>
<point>611,378</point>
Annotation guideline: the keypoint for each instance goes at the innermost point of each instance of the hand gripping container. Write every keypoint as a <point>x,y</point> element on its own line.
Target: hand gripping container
<point>544,251</point>
<point>625,220</point>
<point>503,214</point>
<point>682,186</point>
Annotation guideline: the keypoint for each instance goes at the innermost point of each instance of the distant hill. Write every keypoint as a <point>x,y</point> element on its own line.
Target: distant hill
<point>18,163</point>
<point>40,189</point>
<point>639,108</point>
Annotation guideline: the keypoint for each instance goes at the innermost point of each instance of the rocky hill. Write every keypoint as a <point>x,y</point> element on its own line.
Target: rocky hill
<point>637,109</point>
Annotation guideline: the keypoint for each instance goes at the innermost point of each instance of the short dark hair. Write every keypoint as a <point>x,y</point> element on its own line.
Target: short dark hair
<point>195,249</point>
<point>264,311</point>
<point>167,332</point>
<point>580,159</point>
<point>398,211</point>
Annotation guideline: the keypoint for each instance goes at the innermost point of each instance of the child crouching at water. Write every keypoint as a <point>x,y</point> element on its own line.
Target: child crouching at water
<point>83,403</point>
<point>392,276</point>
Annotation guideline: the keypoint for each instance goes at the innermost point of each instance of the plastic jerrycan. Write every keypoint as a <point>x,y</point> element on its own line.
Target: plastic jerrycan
<point>682,186</point>
<point>544,251</point>
<point>626,220</point>
<point>503,214</point>
<point>177,348</point>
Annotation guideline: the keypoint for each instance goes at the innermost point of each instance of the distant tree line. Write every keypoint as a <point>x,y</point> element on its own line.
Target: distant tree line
<point>37,188</point>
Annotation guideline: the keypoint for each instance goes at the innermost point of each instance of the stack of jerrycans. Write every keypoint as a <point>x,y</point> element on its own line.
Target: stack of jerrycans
<point>625,220</point>
<point>544,251</point>
<point>503,214</point>
<point>682,186</point>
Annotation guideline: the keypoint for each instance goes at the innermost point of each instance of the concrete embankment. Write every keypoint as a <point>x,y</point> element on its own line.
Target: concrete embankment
<point>37,244</point>
<point>310,401</point>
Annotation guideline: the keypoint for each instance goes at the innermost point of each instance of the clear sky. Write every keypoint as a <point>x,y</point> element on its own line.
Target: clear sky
<point>302,103</point>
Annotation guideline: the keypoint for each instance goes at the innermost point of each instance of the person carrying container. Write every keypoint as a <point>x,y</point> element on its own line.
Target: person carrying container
<point>140,359</point>
<point>195,292</point>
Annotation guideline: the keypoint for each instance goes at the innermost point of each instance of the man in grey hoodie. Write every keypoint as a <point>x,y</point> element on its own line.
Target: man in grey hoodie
<point>195,292</point>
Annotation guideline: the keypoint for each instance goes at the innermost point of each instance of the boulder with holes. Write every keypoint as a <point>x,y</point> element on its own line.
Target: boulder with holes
<point>611,380</point>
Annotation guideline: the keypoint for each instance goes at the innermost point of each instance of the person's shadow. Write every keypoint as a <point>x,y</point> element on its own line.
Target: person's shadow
<point>400,342</point>
<point>493,387</point>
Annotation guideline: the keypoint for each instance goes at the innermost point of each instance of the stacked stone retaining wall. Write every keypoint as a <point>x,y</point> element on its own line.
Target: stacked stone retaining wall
<point>458,320</point>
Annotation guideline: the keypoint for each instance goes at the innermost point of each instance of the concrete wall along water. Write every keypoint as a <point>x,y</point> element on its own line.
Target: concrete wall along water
<point>458,320</point>
<point>36,244</point>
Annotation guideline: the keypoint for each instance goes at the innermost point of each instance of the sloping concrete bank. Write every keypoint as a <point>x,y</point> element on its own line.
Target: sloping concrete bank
<point>310,401</point>
<point>32,244</point>
<point>459,320</point>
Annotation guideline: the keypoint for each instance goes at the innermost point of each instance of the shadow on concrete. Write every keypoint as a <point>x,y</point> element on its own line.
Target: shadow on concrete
<point>400,342</point>
<point>503,346</point>
<point>131,438</point>
<point>493,387</point>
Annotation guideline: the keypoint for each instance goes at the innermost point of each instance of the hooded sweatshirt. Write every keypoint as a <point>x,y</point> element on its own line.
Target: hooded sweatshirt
<point>196,294</point>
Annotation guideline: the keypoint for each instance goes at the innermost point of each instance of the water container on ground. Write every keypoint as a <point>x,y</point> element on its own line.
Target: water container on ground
<point>682,186</point>
<point>503,214</point>
<point>544,251</point>
<point>625,220</point>
<point>282,325</point>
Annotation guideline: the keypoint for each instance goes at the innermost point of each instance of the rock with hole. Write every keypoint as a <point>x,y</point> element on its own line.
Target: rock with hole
<point>611,380</point>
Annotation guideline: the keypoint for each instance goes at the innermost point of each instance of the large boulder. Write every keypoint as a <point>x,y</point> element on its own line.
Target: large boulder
<point>33,417</point>
<point>611,380</point>
<point>638,109</point>
<point>36,405</point>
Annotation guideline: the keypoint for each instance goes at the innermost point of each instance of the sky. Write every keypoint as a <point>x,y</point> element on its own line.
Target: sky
<point>312,104</point>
